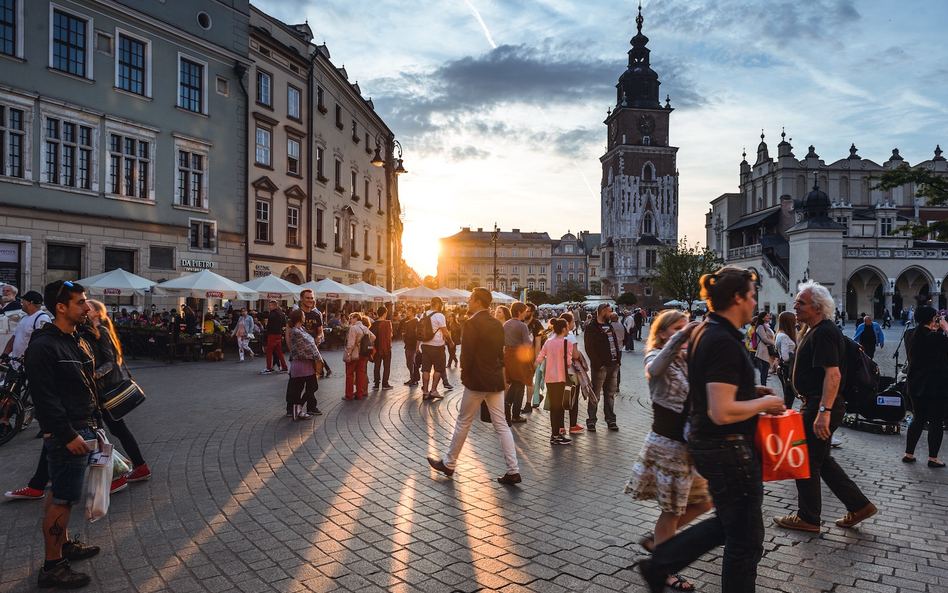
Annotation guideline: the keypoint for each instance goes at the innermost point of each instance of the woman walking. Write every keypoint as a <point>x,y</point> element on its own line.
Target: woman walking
<point>303,383</point>
<point>664,471</point>
<point>559,353</point>
<point>357,381</point>
<point>786,345</point>
<point>927,377</point>
<point>765,341</point>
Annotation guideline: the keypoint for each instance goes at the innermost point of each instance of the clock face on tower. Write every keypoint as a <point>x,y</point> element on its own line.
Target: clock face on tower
<point>646,124</point>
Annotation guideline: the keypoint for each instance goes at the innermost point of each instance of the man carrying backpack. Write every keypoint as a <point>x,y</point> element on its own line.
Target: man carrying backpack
<point>433,335</point>
<point>818,374</point>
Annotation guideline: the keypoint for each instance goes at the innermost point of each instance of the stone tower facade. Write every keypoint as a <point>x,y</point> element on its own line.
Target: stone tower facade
<point>639,201</point>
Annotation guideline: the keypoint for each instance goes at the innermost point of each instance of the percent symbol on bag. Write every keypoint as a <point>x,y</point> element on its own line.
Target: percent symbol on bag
<point>793,455</point>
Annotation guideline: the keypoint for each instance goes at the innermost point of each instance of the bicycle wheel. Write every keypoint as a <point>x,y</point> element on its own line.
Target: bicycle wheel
<point>12,410</point>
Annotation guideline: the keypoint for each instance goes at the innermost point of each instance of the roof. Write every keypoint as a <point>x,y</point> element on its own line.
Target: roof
<point>467,234</point>
<point>649,240</point>
<point>591,240</point>
<point>756,219</point>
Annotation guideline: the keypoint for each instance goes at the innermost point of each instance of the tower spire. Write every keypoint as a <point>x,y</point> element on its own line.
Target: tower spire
<point>639,20</point>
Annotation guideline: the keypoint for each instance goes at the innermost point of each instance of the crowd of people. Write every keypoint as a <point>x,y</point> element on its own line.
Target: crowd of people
<point>707,383</point>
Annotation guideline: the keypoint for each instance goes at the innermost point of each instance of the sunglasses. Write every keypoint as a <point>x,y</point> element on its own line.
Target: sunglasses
<point>60,291</point>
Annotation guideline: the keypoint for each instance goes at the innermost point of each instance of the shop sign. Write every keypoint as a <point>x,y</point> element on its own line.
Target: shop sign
<point>196,265</point>
<point>112,291</point>
<point>261,270</point>
<point>10,252</point>
<point>332,295</point>
<point>274,295</point>
<point>214,294</point>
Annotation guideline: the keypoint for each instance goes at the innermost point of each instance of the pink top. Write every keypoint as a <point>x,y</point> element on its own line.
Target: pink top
<point>552,352</point>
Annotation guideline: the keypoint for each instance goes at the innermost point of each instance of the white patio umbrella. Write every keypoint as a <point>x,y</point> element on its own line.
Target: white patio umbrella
<point>449,295</point>
<point>330,289</point>
<point>271,287</point>
<point>205,285</point>
<point>503,299</point>
<point>418,293</point>
<point>674,303</point>
<point>373,293</point>
<point>116,283</point>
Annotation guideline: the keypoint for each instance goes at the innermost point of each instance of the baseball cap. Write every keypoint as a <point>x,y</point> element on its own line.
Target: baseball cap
<point>33,298</point>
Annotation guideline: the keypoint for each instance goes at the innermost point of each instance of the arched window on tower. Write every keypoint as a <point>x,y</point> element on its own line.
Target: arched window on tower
<point>648,173</point>
<point>647,224</point>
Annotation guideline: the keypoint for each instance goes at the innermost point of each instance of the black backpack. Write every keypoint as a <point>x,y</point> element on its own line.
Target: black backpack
<point>424,331</point>
<point>861,378</point>
<point>365,346</point>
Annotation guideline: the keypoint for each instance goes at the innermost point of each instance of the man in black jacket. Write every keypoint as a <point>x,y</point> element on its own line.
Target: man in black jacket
<point>602,347</point>
<point>482,356</point>
<point>61,371</point>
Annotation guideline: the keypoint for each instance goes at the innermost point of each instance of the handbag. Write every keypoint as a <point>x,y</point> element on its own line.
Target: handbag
<point>771,350</point>
<point>100,481</point>
<point>781,443</point>
<point>123,398</point>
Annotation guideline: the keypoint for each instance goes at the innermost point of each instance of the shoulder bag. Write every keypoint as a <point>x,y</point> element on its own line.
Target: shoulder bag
<point>123,398</point>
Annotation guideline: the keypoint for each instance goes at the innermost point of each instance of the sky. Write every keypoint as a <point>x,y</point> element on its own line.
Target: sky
<point>499,104</point>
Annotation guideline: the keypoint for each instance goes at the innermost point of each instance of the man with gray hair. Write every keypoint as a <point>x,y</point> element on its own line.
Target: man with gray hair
<point>8,299</point>
<point>818,374</point>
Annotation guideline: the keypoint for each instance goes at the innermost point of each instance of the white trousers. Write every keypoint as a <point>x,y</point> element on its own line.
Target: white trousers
<point>243,344</point>
<point>470,409</point>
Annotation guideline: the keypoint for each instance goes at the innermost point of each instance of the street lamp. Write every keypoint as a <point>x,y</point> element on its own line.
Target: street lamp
<point>493,238</point>
<point>393,168</point>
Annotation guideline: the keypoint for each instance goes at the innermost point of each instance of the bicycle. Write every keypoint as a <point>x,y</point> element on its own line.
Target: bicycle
<point>16,404</point>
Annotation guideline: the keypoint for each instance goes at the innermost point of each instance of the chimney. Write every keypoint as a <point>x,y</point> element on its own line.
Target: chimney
<point>515,230</point>
<point>480,229</point>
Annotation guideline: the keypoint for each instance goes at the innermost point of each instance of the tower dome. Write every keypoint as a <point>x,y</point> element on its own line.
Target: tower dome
<point>638,85</point>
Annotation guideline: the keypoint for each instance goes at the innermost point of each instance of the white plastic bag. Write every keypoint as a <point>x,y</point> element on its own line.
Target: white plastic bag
<point>100,480</point>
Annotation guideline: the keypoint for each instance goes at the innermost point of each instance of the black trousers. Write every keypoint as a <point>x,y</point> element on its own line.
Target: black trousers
<point>383,363</point>
<point>302,390</point>
<point>513,400</point>
<point>932,410</point>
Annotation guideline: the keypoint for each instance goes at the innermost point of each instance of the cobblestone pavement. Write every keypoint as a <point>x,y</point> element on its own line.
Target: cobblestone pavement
<point>244,499</point>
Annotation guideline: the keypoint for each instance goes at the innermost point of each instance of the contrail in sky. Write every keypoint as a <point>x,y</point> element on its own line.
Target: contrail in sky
<point>477,15</point>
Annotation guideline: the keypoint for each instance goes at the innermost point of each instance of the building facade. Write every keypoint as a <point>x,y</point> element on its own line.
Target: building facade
<point>118,133</point>
<point>569,262</point>
<point>807,219</point>
<point>466,259</point>
<point>639,201</point>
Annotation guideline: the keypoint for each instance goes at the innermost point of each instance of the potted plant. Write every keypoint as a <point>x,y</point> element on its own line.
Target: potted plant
<point>338,250</point>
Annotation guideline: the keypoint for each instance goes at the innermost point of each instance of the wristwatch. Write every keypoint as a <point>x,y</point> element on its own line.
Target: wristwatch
<point>824,409</point>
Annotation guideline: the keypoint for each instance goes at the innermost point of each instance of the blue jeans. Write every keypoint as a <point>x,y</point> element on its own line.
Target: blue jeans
<point>605,381</point>
<point>732,469</point>
<point>67,471</point>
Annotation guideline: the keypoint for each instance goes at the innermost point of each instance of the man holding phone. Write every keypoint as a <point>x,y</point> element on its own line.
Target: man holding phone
<point>61,374</point>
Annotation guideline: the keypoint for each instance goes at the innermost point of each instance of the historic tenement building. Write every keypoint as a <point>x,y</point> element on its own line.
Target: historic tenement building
<point>805,219</point>
<point>466,259</point>
<point>639,202</point>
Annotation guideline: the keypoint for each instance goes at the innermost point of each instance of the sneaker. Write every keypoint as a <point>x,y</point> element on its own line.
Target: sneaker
<point>576,428</point>
<point>851,519</point>
<point>315,412</point>
<point>62,577</point>
<point>76,550</point>
<point>559,440</point>
<point>590,428</point>
<point>240,361</point>
<point>388,387</point>
<point>283,371</point>
<point>26,494</point>
<point>509,479</point>
<point>448,386</point>
<point>795,522</point>
<point>138,474</point>
<point>835,442</point>
<point>328,374</point>
<point>613,427</point>
<point>433,394</point>
<point>375,386</point>
<point>518,419</point>
<point>410,383</point>
<point>267,372</point>
<point>118,485</point>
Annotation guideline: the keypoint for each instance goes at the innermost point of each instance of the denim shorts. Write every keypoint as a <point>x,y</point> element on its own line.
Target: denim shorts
<point>67,471</point>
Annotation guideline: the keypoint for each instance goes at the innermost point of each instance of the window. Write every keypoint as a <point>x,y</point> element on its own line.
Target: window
<point>9,31</point>
<point>263,221</point>
<point>885,226</point>
<point>352,240</point>
<point>559,277</point>
<point>292,226</point>
<point>368,202</point>
<point>378,248</point>
<point>515,253</point>
<point>592,271</point>
<point>339,116</point>
<point>320,175</point>
<point>378,200</point>
<point>530,285</point>
<point>581,278</point>
<point>543,269</point>
<point>203,235</point>
<point>293,102</point>
<point>365,242</point>
<point>14,142</point>
<point>530,270</point>
<point>581,265</point>
<point>131,67</point>
<point>161,258</point>
<point>70,52</point>
<point>477,269</point>
<point>63,262</point>
<point>651,257</point>
<point>475,252</point>
<point>338,175</point>
<point>513,285</point>
<point>532,253</point>
<point>68,156</point>
<point>514,269</point>
<point>570,266</point>
<point>121,258</point>
<point>648,291</point>
<point>337,233</point>
<point>292,156</point>
<point>320,238</point>
<point>191,84</point>
<point>192,180</point>
<point>320,99</point>
<point>263,88</point>
<point>490,285</point>
<point>503,253</point>
<point>352,184</point>
<point>647,224</point>
<point>130,167</point>
<point>569,249</point>
<point>263,146</point>
<point>570,276</point>
<point>543,285</point>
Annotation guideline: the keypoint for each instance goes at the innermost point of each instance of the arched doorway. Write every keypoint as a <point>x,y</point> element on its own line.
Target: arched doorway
<point>292,274</point>
<point>914,287</point>
<point>865,294</point>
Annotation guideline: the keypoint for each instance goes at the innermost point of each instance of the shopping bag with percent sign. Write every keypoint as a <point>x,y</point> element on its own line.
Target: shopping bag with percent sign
<point>782,445</point>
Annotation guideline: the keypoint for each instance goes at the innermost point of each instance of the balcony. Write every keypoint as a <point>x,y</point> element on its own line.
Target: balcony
<point>744,252</point>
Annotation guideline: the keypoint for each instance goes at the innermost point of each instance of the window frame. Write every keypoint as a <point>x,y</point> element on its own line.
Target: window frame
<point>289,159</point>
<point>146,67</point>
<point>290,103</point>
<point>25,106</point>
<point>17,27</point>
<point>261,77</point>
<point>318,222</point>
<point>263,222</point>
<point>192,146</point>
<point>88,50</point>
<point>265,149</point>
<point>80,120</point>
<point>182,57</point>
<point>211,239</point>
<point>140,134</point>
<point>292,225</point>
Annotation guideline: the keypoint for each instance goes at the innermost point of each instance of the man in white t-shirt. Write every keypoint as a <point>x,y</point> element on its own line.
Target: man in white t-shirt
<point>432,351</point>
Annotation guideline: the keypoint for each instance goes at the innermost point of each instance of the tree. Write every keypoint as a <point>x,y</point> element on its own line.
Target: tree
<point>539,297</point>
<point>571,290</point>
<point>679,268</point>
<point>627,298</point>
<point>431,282</point>
<point>595,287</point>
<point>928,185</point>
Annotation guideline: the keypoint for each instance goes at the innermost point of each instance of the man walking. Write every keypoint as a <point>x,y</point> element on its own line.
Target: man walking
<point>817,375</point>
<point>869,334</point>
<point>433,355</point>
<point>276,323</point>
<point>61,375</point>
<point>410,334</point>
<point>482,355</point>
<point>382,328</point>
<point>518,360</point>
<point>602,347</point>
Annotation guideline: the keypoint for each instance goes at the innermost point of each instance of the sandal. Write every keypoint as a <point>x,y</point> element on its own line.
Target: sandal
<point>679,584</point>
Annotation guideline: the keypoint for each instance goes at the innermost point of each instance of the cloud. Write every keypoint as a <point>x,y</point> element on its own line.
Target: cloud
<point>464,153</point>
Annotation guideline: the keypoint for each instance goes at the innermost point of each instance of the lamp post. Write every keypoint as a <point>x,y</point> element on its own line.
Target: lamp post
<point>493,237</point>
<point>393,168</point>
